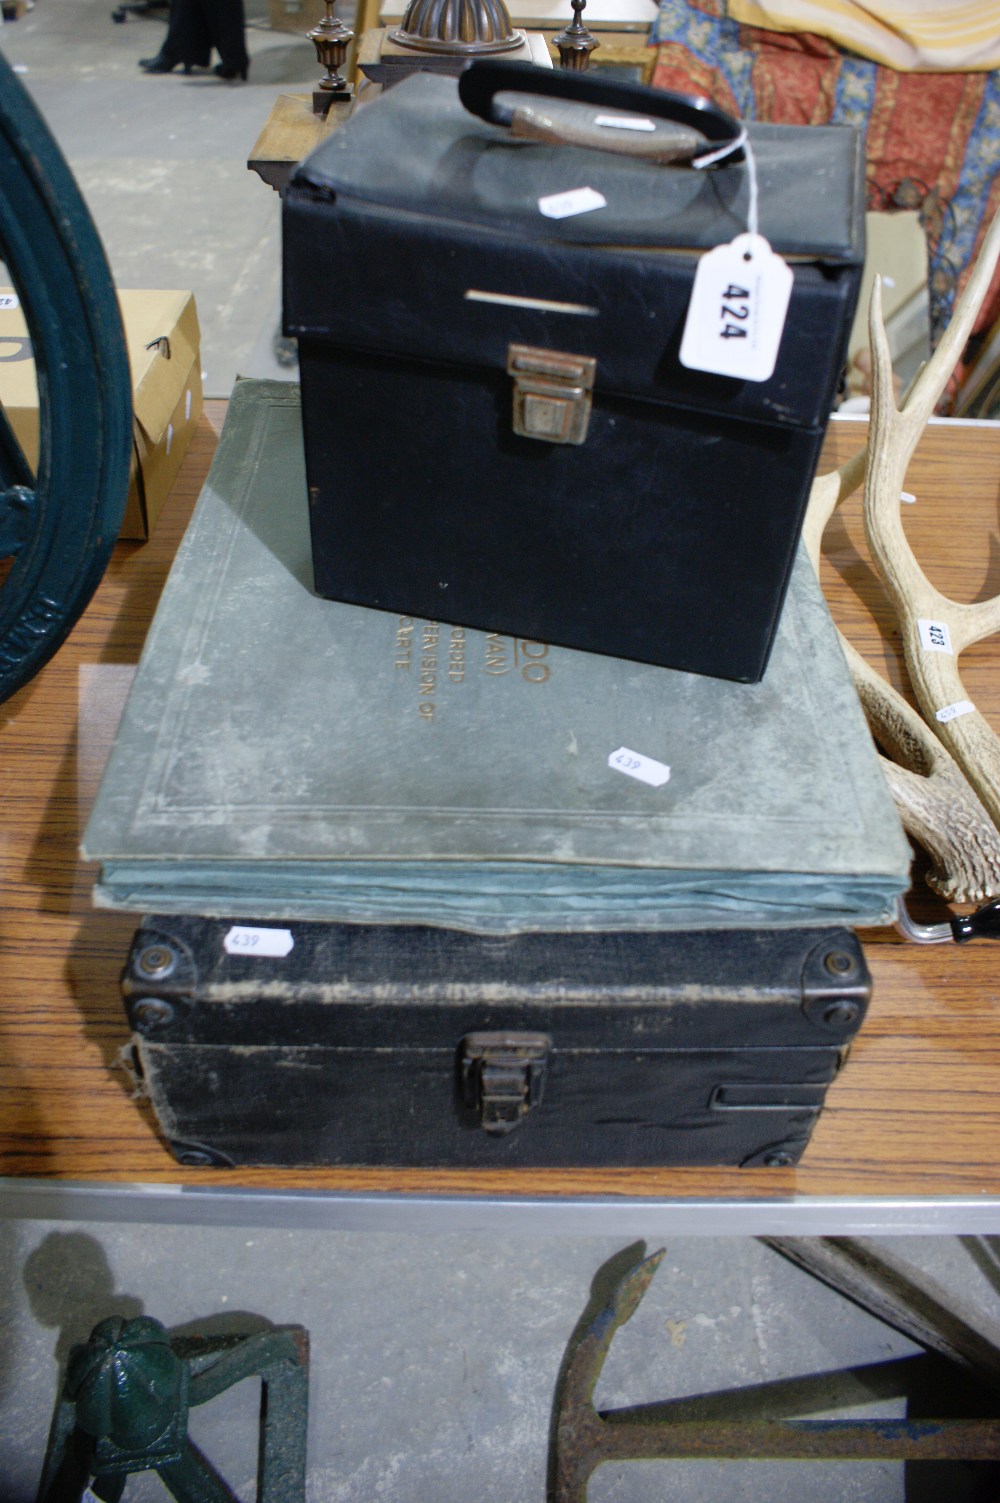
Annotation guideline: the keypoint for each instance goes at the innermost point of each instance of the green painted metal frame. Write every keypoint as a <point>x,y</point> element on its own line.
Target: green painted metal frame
<point>94,1448</point>
<point>57,529</point>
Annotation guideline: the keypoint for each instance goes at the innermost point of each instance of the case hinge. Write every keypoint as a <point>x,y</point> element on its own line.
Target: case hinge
<point>551,393</point>
<point>502,1076</point>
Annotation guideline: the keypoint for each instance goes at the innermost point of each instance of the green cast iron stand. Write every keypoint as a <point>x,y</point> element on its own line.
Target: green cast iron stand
<point>125,1402</point>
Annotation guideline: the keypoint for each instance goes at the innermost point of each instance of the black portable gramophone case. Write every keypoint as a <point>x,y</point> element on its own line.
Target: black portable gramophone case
<point>432,301</point>
<point>383,1044</point>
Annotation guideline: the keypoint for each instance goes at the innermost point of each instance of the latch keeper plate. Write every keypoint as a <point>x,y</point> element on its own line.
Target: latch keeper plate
<point>552,393</point>
<point>503,1076</point>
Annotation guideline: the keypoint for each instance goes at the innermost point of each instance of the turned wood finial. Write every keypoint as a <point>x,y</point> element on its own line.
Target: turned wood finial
<point>575,42</point>
<point>331,38</point>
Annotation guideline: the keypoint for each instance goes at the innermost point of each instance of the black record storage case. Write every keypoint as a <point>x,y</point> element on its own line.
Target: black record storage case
<point>353,1044</point>
<point>430,297</point>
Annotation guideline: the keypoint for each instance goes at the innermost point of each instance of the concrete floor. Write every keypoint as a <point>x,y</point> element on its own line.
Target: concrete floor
<point>161,161</point>
<point>435,1357</point>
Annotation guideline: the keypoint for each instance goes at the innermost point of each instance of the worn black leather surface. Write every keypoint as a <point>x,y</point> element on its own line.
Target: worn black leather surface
<point>681,1049</point>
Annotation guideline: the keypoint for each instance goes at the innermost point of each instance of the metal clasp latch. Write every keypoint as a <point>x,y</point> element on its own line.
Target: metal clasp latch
<point>503,1075</point>
<point>551,393</point>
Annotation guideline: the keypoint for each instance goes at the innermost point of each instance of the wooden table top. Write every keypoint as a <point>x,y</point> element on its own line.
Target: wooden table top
<point>914,1113</point>
<point>290,132</point>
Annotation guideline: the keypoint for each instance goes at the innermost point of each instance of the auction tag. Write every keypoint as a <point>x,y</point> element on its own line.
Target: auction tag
<point>635,765</point>
<point>243,940</point>
<point>575,201</point>
<point>934,636</point>
<point>737,311</point>
<point>625,122</point>
<point>952,712</point>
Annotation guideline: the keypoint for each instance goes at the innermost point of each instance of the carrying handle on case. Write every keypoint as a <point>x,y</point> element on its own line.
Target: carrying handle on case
<point>674,127</point>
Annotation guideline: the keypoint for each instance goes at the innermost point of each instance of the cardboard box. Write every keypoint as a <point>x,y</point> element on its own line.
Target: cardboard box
<point>162,336</point>
<point>295,15</point>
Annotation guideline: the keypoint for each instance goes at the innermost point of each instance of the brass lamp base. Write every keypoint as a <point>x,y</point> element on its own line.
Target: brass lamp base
<point>455,49</point>
<point>468,28</point>
<point>384,60</point>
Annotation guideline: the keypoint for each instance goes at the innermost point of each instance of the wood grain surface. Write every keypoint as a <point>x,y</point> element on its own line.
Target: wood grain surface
<point>290,132</point>
<point>915,1112</point>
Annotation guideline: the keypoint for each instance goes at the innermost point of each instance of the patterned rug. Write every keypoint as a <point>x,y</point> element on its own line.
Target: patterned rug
<point>933,139</point>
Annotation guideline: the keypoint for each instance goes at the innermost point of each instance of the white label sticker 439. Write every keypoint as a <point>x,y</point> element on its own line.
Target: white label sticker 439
<point>574,201</point>
<point>242,939</point>
<point>624,122</point>
<point>635,765</point>
<point>952,712</point>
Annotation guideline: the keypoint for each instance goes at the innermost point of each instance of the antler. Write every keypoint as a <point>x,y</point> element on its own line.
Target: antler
<point>935,803</point>
<point>934,628</point>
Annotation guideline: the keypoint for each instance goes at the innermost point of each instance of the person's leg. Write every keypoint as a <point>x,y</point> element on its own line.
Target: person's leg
<point>226,25</point>
<point>187,40</point>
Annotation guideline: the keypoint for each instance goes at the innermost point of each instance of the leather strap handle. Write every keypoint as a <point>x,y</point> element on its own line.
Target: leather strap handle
<point>484,79</point>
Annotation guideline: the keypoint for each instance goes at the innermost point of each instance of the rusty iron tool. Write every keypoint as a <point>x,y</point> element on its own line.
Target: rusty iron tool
<point>901,1295</point>
<point>585,1438</point>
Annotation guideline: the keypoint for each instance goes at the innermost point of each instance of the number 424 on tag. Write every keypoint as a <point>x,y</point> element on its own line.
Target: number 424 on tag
<point>737,311</point>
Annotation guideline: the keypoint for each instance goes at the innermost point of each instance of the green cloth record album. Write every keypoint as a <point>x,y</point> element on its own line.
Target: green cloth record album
<point>286,756</point>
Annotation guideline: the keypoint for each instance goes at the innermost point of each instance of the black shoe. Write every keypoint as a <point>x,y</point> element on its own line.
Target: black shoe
<point>223,70</point>
<point>161,63</point>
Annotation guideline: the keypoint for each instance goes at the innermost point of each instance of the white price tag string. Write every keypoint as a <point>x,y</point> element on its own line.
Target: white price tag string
<point>722,152</point>
<point>740,294</point>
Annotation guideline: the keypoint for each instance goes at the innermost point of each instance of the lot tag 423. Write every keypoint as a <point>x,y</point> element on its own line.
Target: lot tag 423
<point>737,310</point>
